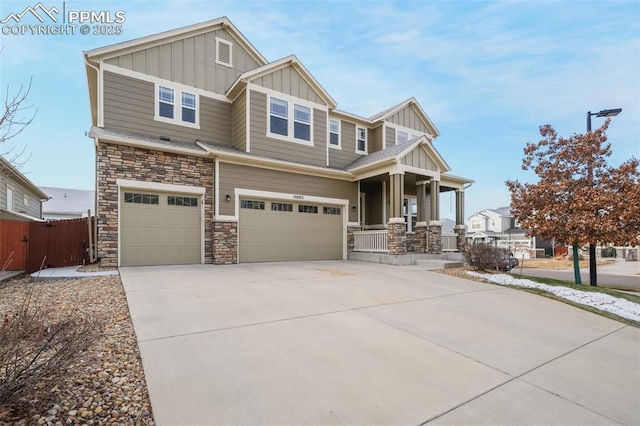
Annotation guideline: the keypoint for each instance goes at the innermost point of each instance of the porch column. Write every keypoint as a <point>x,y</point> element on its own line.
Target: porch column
<point>420,244</point>
<point>434,233</point>
<point>461,240</point>
<point>397,228</point>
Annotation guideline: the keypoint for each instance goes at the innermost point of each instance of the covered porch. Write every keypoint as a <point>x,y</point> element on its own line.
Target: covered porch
<point>399,204</point>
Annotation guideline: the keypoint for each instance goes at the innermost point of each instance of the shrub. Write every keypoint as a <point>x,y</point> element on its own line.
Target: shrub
<point>37,344</point>
<point>483,256</point>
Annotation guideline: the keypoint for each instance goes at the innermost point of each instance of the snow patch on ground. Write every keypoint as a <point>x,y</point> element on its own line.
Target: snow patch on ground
<point>604,302</point>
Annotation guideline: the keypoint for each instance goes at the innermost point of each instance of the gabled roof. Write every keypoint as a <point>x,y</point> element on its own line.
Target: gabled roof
<point>397,152</point>
<point>291,60</point>
<point>176,34</point>
<point>9,170</point>
<point>398,107</point>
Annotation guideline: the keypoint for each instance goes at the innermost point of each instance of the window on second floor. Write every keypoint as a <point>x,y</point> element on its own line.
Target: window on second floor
<point>476,224</point>
<point>405,135</point>
<point>334,133</point>
<point>176,106</point>
<point>361,140</point>
<point>293,124</point>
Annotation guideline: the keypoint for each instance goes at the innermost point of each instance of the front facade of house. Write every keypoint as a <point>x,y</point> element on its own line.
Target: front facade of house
<point>499,227</point>
<point>208,153</point>
<point>20,199</point>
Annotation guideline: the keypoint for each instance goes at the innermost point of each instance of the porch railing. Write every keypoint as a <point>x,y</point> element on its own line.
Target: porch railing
<point>449,242</point>
<point>371,241</point>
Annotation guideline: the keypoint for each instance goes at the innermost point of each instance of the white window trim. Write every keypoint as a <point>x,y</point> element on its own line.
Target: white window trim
<point>177,106</point>
<point>412,133</point>
<point>339,146</point>
<point>409,216</point>
<point>290,119</point>
<point>228,43</point>
<point>366,142</point>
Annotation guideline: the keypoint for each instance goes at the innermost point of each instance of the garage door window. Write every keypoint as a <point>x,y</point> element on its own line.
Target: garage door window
<point>173,200</point>
<point>281,207</point>
<point>331,210</point>
<point>251,204</point>
<point>136,198</point>
<point>307,209</point>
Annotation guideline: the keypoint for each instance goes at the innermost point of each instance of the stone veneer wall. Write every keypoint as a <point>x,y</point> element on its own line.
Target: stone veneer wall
<point>420,239</point>
<point>397,240</point>
<point>434,239</point>
<point>124,162</point>
<point>351,229</point>
<point>225,243</point>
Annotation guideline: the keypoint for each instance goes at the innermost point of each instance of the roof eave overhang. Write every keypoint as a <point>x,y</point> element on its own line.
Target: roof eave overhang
<point>16,174</point>
<point>146,144</point>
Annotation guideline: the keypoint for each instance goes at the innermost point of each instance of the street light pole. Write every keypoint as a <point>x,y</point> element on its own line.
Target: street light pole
<point>593,276</point>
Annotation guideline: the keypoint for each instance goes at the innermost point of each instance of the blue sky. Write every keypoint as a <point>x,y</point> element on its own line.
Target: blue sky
<point>488,73</point>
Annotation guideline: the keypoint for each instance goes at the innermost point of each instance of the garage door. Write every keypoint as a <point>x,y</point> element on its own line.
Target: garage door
<point>159,228</point>
<point>279,231</point>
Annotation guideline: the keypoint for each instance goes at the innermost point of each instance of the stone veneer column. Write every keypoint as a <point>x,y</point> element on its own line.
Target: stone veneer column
<point>397,236</point>
<point>225,243</point>
<point>351,229</point>
<point>461,239</point>
<point>434,237</point>
<point>420,239</point>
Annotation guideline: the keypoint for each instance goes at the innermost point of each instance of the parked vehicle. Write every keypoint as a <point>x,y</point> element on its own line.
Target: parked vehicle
<point>507,263</point>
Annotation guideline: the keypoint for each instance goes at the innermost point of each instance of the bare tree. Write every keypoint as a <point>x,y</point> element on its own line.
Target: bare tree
<point>578,198</point>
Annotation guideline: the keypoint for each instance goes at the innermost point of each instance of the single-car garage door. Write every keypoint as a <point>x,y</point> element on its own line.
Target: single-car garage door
<point>159,228</point>
<point>272,231</point>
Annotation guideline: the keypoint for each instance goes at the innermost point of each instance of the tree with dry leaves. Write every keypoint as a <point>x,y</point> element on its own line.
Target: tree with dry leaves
<point>579,198</point>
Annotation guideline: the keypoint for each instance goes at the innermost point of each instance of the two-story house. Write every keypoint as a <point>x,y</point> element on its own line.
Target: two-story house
<point>20,199</point>
<point>499,227</point>
<point>208,153</point>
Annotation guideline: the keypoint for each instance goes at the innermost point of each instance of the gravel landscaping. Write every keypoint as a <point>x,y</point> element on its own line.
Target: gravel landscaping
<point>105,384</point>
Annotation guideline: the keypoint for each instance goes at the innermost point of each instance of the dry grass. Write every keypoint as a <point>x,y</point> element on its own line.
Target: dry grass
<point>558,263</point>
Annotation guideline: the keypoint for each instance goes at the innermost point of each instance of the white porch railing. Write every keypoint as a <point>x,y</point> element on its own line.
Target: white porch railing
<point>371,241</point>
<point>449,242</point>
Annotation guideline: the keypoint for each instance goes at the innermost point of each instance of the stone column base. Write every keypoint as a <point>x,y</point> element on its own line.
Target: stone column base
<point>420,240</point>
<point>397,238</point>
<point>225,243</point>
<point>434,237</point>
<point>351,229</point>
<point>461,240</point>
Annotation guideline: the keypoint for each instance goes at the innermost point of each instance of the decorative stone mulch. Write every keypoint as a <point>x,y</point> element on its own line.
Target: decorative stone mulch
<point>106,384</point>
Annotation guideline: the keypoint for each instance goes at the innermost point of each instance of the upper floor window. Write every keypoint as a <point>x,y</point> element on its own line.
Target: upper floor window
<point>334,133</point>
<point>224,52</point>
<point>292,122</point>
<point>475,224</point>
<point>361,140</point>
<point>176,106</point>
<point>401,137</point>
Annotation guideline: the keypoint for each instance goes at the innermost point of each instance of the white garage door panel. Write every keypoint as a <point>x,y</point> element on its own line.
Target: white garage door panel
<point>268,236</point>
<point>159,234</point>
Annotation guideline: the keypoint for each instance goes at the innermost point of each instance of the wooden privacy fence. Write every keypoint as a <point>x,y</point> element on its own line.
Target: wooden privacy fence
<point>57,243</point>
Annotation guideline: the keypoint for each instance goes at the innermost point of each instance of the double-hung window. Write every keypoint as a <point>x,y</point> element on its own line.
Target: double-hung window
<point>302,122</point>
<point>176,106</point>
<point>289,120</point>
<point>334,133</point>
<point>361,140</point>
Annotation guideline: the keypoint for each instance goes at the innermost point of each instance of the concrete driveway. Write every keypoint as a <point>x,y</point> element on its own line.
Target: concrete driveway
<point>357,343</point>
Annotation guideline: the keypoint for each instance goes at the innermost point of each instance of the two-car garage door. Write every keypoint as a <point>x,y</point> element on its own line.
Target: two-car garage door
<point>272,231</point>
<point>160,228</point>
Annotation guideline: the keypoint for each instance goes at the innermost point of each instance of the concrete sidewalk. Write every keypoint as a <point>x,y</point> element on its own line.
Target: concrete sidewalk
<point>355,343</point>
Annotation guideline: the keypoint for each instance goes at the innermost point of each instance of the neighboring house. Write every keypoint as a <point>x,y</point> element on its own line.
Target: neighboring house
<point>20,199</point>
<point>499,227</point>
<point>67,203</point>
<point>209,153</point>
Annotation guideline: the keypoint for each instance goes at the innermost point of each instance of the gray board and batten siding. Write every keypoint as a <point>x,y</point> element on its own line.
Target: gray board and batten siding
<point>239,123</point>
<point>288,80</point>
<point>261,145</point>
<point>407,117</point>
<point>190,61</point>
<point>129,105</point>
<point>419,158</point>
<point>234,176</point>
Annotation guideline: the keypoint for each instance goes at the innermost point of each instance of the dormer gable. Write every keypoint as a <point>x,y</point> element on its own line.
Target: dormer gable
<point>408,114</point>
